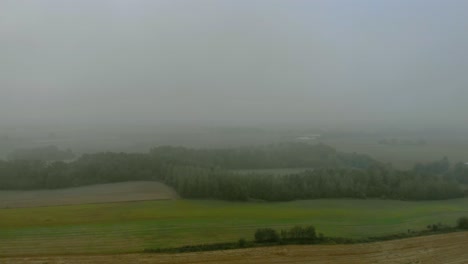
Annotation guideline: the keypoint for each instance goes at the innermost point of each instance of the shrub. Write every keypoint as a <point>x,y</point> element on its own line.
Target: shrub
<point>265,235</point>
<point>462,222</point>
<point>242,242</point>
<point>300,234</point>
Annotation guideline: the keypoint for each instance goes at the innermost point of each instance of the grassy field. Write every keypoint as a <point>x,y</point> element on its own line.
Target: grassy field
<point>404,156</point>
<point>133,226</point>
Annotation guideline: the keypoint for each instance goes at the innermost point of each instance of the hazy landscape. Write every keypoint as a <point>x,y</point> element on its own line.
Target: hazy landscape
<point>219,131</point>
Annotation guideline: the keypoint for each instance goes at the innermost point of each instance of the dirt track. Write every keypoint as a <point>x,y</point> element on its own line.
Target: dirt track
<point>448,249</point>
<point>100,193</point>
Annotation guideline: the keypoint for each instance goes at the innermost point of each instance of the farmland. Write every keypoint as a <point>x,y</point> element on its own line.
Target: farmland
<point>99,193</point>
<point>403,156</point>
<point>128,227</point>
<point>451,248</point>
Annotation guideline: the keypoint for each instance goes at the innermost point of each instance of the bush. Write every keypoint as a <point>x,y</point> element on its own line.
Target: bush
<point>242,242</point>
<point>266,235</point>
<point>300,234</point>
<point>462,222</point>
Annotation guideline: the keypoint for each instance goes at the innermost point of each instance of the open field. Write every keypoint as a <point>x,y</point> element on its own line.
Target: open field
<point>132,226</point>
<point>100,193</point>
<point>404,156</point>
<point>447,248</point>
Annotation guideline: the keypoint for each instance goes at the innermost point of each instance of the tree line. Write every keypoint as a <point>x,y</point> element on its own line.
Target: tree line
<point>48,153</point>
<point>307,235</point>
<point>211,173</point>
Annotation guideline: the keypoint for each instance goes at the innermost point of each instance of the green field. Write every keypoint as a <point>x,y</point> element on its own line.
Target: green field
<point>133,226</point>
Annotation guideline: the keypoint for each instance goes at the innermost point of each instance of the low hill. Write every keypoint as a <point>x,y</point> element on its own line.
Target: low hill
<point>446,248</point>
<point>99,193</point>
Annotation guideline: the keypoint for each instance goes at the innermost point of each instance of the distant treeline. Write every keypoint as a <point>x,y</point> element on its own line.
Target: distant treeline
<point>286,155</point>
<point>48,153</point>
<point>402,142</point>
<point>210,174</point>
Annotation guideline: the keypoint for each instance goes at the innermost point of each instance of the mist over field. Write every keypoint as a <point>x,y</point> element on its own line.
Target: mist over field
<point>289,130</point>
<point>242,63</point>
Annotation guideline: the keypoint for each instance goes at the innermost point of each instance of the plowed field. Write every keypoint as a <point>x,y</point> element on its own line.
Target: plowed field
<point>100,193</point>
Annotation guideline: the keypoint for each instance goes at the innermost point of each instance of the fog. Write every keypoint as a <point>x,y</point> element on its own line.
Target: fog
<point>233,62</point>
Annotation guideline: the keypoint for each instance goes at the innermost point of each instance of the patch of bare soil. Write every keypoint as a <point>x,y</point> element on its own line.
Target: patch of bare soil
<point>446,248</point>
<point>100,193</point>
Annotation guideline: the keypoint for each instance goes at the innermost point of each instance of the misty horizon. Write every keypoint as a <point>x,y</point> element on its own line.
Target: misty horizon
<point>233,62</point>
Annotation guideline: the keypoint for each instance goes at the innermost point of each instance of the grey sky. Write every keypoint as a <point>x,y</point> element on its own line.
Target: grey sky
<point>234,61</point>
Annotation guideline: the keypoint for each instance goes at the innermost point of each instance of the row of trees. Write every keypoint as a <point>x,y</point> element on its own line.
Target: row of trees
<point>284,155</point>
<point>308,235</point>
<point>297,234</point>
<point>376,182</point>
<point>208,174</point>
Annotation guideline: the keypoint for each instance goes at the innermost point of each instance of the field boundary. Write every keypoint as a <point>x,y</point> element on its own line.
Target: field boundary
<point>321,240</point>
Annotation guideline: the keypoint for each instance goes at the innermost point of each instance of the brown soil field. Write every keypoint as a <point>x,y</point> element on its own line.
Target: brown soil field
<point>100,193</point>
<point>446,248</point>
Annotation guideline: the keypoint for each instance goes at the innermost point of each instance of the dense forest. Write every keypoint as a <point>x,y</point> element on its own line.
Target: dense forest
<point>211,173</point>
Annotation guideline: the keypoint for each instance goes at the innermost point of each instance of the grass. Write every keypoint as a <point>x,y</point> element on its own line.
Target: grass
<point>133,226</point>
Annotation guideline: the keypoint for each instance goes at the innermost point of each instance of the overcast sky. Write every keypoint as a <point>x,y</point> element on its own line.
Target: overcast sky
<point>234,61</point>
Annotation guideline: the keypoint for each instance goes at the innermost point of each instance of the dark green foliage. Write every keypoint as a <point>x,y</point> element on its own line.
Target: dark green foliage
<point>437,167</point>
<point>296,234</point>
<point>266,235</point>
<point>303,235</point>
<point>203,174</point>
<point>462,223</point>
<point>242,243</point>
<point>194,248</point>
<point>460,172</point>
<point>321,237</point>
<point>299,234</point>
<point>435,227</point>
<point>285,155</point>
